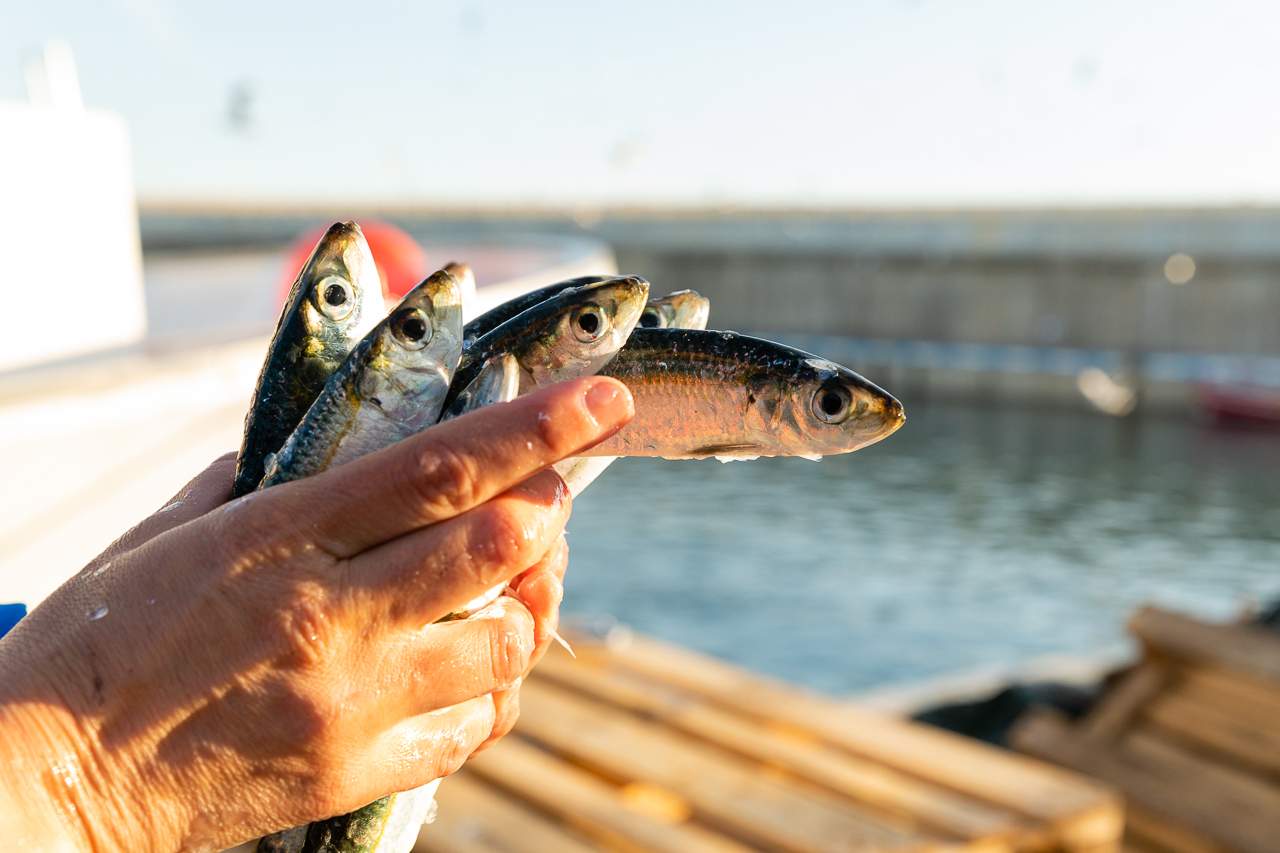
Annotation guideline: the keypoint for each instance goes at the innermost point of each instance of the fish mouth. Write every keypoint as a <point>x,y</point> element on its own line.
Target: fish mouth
<point>444,289</point>
<point>876,414</point>
<point>882,416</point>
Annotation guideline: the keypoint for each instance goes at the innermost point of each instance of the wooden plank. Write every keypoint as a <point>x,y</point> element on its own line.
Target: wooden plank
<point>1253,701</point>
<point>1172,787</point>
<point>477,819</point>
<point>1239,793</point>
<point>1081,813</point>
<point>1243,648</point>
<point>1216,729</point>
<point>583,801</point>
<point>914,802</point>
<point>1121,704</point>
<point>1146,832</point>
<point>722,790</point>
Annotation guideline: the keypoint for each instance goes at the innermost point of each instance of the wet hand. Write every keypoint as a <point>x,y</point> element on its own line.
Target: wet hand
<point>225,670</point>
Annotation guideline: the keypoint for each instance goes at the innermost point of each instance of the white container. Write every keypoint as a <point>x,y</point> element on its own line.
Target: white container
<point>69,225</point>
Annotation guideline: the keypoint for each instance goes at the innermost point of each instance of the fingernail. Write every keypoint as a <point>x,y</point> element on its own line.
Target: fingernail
<point>609,402</point>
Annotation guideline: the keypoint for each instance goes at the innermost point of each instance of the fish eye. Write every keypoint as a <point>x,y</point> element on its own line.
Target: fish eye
<point>588,323</point>
<point>335,297</point>
<point>412,328</point>
<point>651,318</point>
<point>831,404</point>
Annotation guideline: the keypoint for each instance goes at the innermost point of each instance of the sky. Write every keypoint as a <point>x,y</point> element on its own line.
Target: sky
<point>794,104</point>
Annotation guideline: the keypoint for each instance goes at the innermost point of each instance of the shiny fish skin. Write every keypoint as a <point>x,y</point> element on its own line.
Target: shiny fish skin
<point>705,394</point>
<point>391,386</point>
<point>497,382</point>
<point>496,316</point>
<point>549,340</point>
<point>311,339</point>
<point>683,309</point>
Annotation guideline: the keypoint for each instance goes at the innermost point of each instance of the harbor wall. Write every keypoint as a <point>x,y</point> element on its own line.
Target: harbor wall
<point>1088,279</point>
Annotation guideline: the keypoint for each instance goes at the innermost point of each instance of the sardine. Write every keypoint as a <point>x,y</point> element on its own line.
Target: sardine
<point>573,333</point>
<point>392,385</point>
<point>335,300</point>
<point>705,394</point>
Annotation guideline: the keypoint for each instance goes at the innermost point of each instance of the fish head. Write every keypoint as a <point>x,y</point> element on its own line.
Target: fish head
<point>338,295</point>
<point>684,309</point>
<point>584,327</point>
<point>830,409</point>
<point>414,353</point>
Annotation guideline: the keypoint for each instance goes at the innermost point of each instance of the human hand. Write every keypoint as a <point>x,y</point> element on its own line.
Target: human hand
<point>225,670</point>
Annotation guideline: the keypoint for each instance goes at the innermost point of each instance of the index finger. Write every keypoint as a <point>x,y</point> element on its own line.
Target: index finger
<point>451,467</point>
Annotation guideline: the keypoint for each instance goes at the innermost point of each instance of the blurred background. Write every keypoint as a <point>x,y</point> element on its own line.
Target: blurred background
<point>1052,232</point>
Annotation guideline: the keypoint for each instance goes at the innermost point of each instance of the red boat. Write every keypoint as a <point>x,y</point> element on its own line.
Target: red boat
<point>1242,404</point>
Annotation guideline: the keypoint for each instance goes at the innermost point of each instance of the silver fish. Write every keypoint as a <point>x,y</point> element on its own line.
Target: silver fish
<point>335,300</point>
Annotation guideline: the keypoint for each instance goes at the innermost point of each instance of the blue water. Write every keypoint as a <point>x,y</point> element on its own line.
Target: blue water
<point>975,536</point>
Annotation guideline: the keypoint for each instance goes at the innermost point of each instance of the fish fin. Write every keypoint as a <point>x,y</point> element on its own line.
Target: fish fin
<point>564,644</point>
<point>724,450</point>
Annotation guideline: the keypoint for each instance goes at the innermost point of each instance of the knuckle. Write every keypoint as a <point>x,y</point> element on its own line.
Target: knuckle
<point>446,479</point>
<point>510,649</point>
<point>503,541</point>
<point>563,431</point>
<point>451,754</point>
<point>304,630</point>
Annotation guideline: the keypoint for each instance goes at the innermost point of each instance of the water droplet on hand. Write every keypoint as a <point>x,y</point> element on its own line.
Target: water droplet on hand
<point>171,506</point>
<point>98,612</point>
<point>100,569</point>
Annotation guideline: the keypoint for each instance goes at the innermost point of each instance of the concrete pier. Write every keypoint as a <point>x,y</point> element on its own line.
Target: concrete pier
<point>1162,299</point>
